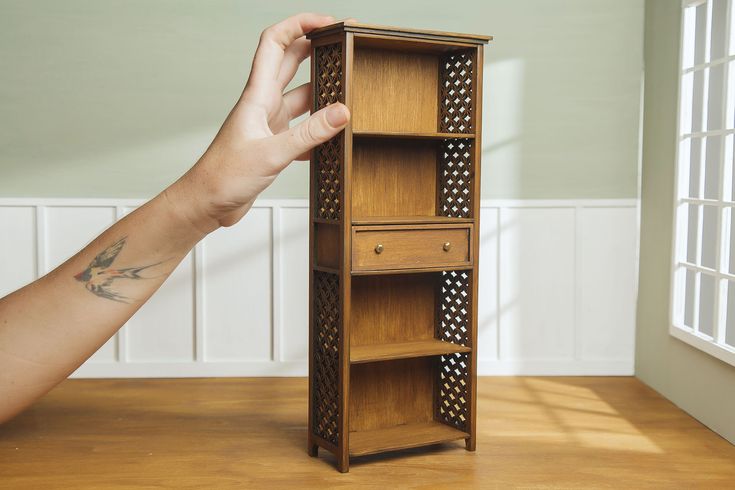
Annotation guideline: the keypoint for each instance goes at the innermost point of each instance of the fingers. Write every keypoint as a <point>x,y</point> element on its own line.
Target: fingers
<point>298,100</point>
<point>275,40</point>
<point>297,52</point>
<point>318,128</point>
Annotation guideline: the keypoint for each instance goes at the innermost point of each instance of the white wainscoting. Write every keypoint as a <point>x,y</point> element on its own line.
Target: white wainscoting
<point>557,288</point>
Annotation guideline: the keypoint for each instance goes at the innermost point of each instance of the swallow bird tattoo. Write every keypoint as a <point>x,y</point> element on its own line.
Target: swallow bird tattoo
<point>99,275</point>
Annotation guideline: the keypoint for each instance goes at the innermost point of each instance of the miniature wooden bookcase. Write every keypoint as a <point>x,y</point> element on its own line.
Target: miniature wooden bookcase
<point>394,219</point>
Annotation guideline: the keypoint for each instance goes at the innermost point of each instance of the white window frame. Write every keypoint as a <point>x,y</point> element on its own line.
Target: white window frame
<point>715,344</point>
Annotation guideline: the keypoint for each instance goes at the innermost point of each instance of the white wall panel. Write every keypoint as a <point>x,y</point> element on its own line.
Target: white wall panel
<point>557,289</point>
<point>67,229</point>
<point>607,297</point>
<point>537,283</point>
<point>487,314</point>
<point>17,247</point>
<point>237,290</point>
<point>163,329</point>
<point>294,283</point>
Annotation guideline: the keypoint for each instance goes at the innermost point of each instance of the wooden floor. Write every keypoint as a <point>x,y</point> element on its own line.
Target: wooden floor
<point>251,433</point>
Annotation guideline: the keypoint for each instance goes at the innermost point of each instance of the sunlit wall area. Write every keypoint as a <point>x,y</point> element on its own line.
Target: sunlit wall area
<point>109,99</point>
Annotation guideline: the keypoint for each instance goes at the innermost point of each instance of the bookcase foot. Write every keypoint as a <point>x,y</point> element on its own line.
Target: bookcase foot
<point>313,450</point>
<point>343,464</point>
<point>469,444</point>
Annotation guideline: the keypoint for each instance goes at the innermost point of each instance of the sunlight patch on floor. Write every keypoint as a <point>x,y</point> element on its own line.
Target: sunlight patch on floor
<point>549,411</point>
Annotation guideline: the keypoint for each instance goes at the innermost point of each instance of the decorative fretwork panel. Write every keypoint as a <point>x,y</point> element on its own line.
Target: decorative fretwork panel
<point>329,157</point>
<point>455,325</point>
<point>456,173</point>
<point>325,336</point>
<point>455,308</point>
<point>328,75</point>
<point>456,92</point>
<point>453,406</point>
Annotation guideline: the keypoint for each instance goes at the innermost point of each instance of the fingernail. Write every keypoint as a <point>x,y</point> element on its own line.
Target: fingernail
<point>337,115</point>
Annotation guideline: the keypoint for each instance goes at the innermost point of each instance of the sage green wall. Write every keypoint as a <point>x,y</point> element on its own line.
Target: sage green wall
<point>116,99</point>
<point>695,381</point>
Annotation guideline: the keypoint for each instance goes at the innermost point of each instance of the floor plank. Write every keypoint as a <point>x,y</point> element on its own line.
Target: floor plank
<point>555,432</point>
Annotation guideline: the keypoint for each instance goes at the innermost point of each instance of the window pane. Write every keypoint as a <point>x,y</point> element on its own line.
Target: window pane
<point>730,322</point>
<point>691,157</point>
<point>730,109</point>
<point>730,233</point>
<point>727,169</point>
<point>706,303</point>
<point>697,100</point>
<point>709,236</point>
<point>692,231</point>
<point>689,299</point>
<point>712,167</point>
<point>685,104</point>
<point>687,54</point>
<point>715,101</point>
<point>700,33</point>
<point>719,18</point>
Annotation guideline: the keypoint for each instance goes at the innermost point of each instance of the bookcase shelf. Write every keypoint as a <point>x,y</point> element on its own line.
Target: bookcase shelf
<point>408,220</point>
<point>405,135</point>
<point>403,350</point>
<point>402,437</point>
<point>393,240</point>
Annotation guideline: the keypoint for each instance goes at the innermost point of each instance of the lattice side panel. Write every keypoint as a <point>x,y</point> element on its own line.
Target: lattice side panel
<point>325,388</point>
<point>456,91</point>
<point>455,312</point>
<point>330,155</point>
<point>329,158</point>
<point>328,75</point>
<point>454,325</point>
<point>456,175</point>
<point>454,390</point>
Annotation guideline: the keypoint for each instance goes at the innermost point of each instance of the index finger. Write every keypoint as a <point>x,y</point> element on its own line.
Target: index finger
<point>274,41</point>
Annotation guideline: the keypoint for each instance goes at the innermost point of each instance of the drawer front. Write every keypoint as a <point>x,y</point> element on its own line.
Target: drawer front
<point>388,248</point>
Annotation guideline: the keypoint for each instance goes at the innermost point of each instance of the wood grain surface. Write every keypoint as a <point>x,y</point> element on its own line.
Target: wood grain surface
<point>410,248</point>
<point>395,91</point>
<point>592,432</point>
<point>358,27</point>
<point>394,178</point>
<point>387,309</point>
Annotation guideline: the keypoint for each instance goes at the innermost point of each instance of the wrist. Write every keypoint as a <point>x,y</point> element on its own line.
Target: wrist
<point>185,210</point>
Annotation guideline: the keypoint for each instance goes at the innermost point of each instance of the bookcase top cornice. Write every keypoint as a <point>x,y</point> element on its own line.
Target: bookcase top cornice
<point>402,32</point>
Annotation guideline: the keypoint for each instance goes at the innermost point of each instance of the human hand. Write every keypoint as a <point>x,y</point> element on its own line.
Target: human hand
<point>255,142</point>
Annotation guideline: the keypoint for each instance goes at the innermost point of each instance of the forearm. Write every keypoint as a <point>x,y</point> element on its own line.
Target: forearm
<point>50,327</point>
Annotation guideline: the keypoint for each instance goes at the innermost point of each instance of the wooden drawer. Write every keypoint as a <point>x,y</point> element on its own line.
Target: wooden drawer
<point>376,248</point>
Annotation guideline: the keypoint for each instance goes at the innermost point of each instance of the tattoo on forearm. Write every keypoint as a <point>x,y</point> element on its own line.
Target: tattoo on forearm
<point>99,275</point>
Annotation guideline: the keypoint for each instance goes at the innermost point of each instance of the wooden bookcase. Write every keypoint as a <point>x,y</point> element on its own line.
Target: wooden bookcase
<point>394,219</point>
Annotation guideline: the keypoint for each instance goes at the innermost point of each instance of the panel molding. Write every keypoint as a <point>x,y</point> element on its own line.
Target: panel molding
<point>287,331</point>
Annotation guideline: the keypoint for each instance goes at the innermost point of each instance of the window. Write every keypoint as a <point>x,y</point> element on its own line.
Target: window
<point>703,289</point>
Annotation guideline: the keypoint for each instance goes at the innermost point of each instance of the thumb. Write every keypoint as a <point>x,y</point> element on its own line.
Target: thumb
<point>321,126</point>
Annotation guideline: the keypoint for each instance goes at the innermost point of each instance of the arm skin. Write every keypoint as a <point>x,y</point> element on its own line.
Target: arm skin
<point>50,327</point>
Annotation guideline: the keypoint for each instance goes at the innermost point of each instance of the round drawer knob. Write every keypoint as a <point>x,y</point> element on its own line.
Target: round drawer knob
<point>379,248</point>
<point>447,246</point>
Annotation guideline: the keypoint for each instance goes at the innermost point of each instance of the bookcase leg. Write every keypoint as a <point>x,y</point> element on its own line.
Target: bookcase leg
<point>313,450</point>
<point>469,444</point>
<point>343,462</point>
